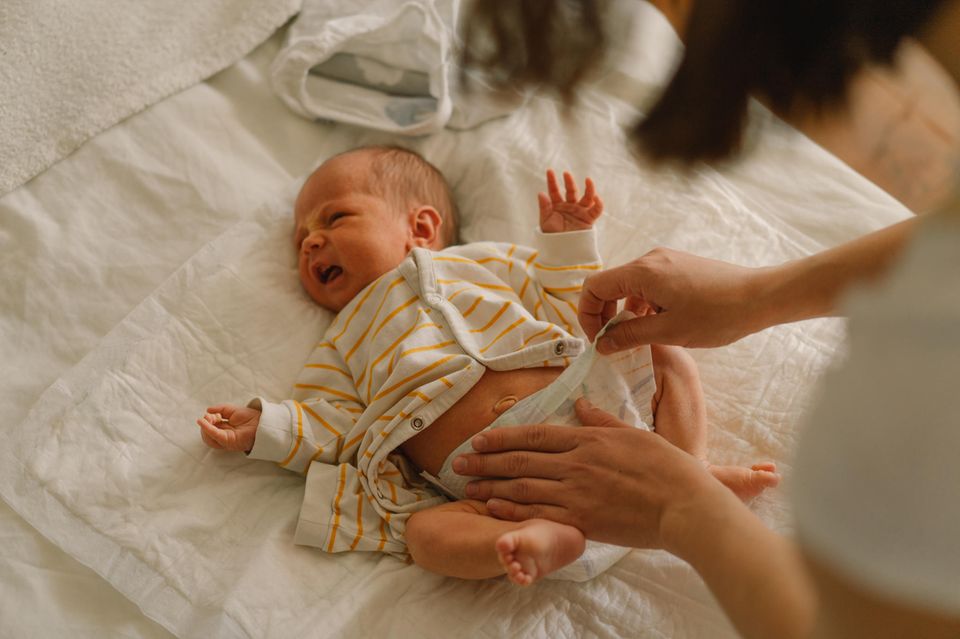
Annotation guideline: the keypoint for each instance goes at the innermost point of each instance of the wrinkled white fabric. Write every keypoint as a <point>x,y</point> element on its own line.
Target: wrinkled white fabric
<point>877,484</point>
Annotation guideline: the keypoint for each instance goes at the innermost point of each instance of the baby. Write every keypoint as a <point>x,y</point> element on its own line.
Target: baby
<point>433,343</point>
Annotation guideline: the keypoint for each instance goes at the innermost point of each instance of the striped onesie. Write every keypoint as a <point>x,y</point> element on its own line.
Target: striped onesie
<point>400,354</point>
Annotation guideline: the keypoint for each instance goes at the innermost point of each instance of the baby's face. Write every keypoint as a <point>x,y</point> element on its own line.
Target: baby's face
<point>345,236</point>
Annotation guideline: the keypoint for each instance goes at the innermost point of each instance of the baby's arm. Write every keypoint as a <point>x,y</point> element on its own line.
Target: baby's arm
<point>567,251</point>
<point>548,277</point>
<point>313,426</point>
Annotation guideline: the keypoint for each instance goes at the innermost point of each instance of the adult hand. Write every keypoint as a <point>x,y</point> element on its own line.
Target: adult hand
<point>616,483</point>
<point>680,298</point>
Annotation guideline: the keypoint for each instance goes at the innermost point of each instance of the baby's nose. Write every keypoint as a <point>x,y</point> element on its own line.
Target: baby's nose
<point>313,241</point>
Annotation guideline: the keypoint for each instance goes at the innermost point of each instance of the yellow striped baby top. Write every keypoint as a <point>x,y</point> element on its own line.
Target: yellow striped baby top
<point>401,353</point>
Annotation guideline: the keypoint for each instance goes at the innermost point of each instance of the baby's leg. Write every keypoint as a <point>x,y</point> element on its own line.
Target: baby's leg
<point>461,539</point>
<point>680,416</point>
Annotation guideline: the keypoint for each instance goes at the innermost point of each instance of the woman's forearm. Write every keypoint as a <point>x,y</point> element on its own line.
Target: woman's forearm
<point>757,576</point>
<point>812,286</point>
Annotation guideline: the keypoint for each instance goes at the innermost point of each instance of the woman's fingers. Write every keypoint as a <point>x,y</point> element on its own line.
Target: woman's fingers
<point>598,300</point>
<point>535,437</point>
<point>527,490</point>
<point>600,294</point>
<point>512,464</point>
<point>510,511</point>
<point>649,329</point>
<point>613,284</point>
<point>590,415</point>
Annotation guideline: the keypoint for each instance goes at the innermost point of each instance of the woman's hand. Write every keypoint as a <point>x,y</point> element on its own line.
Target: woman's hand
<point>616,483</point>
<point>680,298</point>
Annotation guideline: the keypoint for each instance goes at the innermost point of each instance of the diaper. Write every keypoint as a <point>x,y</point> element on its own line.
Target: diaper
<point>621,384</point>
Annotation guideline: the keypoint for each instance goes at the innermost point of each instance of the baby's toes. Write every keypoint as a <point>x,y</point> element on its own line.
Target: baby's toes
<point>505,547</point>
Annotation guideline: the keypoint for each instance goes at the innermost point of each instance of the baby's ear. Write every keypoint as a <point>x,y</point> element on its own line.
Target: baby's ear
<point>425,223</point>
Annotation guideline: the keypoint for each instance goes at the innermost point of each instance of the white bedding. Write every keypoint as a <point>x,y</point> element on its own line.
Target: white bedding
<point>72,69</point>
<point>103,372</point>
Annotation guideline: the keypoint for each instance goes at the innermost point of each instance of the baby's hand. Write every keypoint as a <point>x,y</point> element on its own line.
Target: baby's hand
<point>558,214</point>
<point>229,427</point>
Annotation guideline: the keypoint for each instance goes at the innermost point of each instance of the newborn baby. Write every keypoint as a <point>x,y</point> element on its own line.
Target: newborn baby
<point>433,343</point>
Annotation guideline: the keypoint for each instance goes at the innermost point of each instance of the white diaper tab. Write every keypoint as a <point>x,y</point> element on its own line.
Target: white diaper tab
<point>621,384</point>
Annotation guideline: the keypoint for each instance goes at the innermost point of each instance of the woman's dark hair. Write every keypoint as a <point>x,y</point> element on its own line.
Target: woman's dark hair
<point>524,42</point>
<point>797,55</point>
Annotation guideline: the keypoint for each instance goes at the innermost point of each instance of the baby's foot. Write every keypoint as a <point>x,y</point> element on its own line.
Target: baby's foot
<point>537,549</point>
<point>747,483</point>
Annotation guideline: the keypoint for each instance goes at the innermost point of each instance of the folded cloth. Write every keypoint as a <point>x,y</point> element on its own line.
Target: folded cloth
<point>383,65</point>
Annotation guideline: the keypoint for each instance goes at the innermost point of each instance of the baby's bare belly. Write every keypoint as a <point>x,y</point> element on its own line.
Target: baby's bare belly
<point>493,394</point>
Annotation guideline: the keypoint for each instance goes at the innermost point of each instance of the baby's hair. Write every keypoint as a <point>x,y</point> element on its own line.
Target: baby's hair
<point>406,177</point>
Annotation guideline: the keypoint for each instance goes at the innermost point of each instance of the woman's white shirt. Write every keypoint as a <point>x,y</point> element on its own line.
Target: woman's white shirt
<point>876,485</point>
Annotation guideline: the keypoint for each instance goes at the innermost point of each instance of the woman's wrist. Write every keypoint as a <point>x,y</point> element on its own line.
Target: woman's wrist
<point>790,292</point>
<point>811,286</point>
<point>688,526</point>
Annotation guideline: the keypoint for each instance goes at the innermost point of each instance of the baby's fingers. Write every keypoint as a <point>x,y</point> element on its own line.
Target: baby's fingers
<point>589,194</point>
<point>597,209</point>
<point>552,187</point>
<point>571,187</point>
<point>546,208</point>
<point>209,434</point>
<point>226,410</point>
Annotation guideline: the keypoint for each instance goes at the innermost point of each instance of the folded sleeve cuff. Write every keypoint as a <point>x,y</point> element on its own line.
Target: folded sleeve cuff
<point>274,439</point>
<point>572,247</point>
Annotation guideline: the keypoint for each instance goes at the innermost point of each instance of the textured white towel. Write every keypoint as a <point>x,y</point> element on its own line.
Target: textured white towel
<point>69,70</point>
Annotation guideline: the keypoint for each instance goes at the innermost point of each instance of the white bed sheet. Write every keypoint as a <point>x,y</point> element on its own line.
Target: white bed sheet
<point>88,240</point>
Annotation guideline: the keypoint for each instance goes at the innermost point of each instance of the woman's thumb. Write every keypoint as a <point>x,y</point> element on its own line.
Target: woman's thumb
<point>631,333</point>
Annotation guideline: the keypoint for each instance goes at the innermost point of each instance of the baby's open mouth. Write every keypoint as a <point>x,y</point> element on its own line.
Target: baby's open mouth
<point>329,273</point>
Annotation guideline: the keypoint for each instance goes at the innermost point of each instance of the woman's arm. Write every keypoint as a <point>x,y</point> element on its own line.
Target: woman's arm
<point>812,286</point>
<point>758,577</point>
<point>653,495</point>
<point>701,302</point>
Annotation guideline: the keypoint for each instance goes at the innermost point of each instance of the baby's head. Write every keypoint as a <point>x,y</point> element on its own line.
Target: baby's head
<point>360,213</point>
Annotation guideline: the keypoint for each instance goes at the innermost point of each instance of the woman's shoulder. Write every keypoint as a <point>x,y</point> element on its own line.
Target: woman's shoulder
<point>921,289</point>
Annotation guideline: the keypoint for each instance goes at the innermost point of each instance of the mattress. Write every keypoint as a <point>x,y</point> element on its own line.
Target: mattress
<point>147,235</point>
